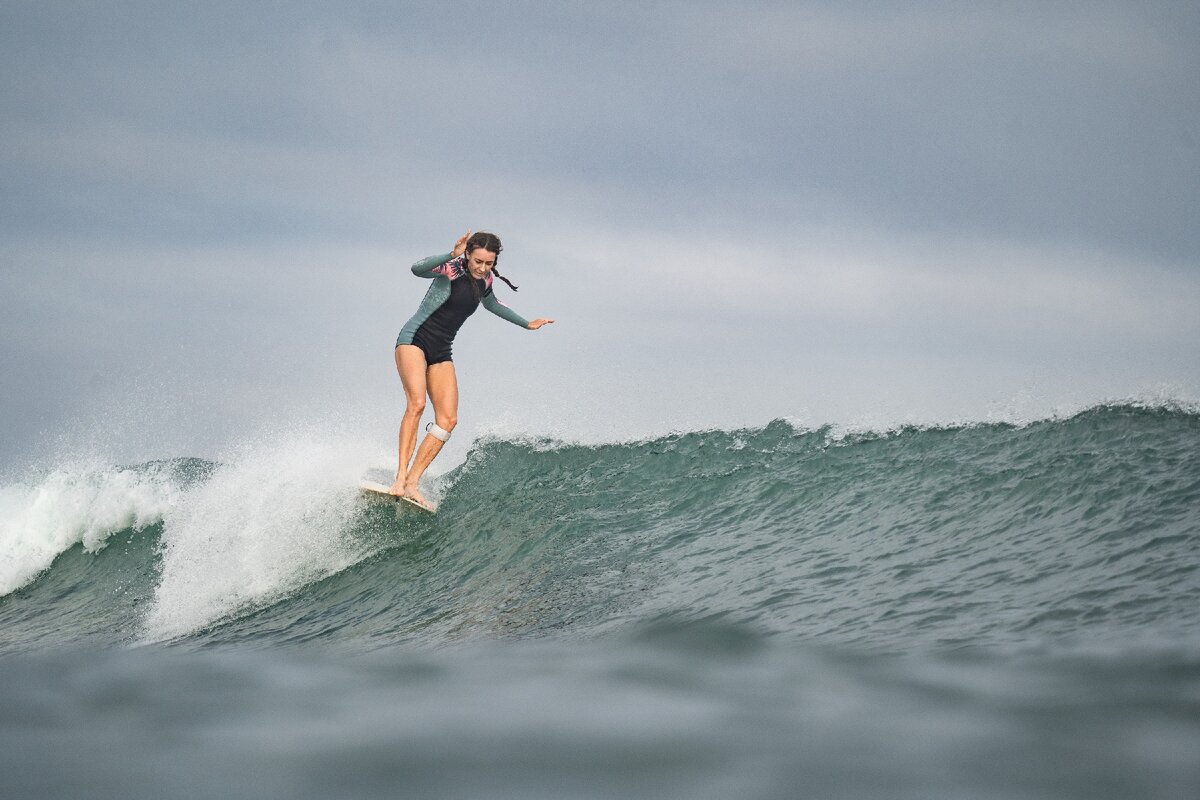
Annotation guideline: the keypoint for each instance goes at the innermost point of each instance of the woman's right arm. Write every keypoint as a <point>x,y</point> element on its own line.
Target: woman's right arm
<point>428,267</point>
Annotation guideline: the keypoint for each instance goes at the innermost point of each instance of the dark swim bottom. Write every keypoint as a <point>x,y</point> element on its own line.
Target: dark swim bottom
<point>435,352</point>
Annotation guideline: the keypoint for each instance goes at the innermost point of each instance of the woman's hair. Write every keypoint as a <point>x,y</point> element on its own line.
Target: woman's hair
<point>488,241</point>
<point>491,243</point>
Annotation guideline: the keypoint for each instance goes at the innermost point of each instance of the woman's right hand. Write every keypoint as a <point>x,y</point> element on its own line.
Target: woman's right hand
<point>460,246</point>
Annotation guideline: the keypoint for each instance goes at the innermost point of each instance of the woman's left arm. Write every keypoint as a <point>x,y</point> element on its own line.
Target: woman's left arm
<point>500,310</point>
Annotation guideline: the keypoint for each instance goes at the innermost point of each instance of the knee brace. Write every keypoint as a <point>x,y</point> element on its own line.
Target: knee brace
<point>438,432</point>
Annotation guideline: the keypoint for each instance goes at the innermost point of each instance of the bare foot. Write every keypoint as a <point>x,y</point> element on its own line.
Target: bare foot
<point>397,488</point>
<point>411,492</point>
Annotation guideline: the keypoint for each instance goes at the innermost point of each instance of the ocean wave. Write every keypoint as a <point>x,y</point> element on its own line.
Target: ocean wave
<point>1074,532</point>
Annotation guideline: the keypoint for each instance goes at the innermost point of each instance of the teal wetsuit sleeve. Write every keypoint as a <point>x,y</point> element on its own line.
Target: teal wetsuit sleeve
<point>500,310</point>
<point>437,268</point>
<point>427,267</point>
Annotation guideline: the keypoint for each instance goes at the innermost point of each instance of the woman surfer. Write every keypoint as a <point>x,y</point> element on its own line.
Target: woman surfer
<point>462,280</point>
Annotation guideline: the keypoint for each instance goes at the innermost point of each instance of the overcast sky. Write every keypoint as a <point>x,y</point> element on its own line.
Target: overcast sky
<point>829,212</point>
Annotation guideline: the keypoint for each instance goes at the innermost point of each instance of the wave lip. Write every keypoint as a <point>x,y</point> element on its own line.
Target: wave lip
<point>81,504</point>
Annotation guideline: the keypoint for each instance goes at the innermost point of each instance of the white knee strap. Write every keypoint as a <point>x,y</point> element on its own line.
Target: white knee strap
<point>438,432</point>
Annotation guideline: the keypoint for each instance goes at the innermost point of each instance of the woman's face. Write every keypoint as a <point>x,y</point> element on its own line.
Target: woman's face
<point>479,261</point>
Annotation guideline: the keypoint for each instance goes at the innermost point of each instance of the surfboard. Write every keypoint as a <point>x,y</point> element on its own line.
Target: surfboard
<point>375,489</point>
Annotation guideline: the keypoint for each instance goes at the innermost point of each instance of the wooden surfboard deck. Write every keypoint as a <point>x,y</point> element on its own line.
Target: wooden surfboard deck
<point>375,489</point>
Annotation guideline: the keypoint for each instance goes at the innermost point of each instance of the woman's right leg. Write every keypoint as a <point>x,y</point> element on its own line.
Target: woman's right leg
<point>443,391</point>
<point>410,363</point>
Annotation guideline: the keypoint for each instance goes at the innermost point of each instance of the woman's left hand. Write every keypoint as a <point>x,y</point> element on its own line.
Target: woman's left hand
<point>537,323</point>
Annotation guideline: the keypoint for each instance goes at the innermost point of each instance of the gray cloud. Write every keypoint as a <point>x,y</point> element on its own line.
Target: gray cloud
<point>936,195</point>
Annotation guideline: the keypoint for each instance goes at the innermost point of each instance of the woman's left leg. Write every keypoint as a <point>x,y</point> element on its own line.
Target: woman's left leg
<point>442,384</point>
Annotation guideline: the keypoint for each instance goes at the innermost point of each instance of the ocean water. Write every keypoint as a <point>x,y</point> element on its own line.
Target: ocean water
<point>968,611</point>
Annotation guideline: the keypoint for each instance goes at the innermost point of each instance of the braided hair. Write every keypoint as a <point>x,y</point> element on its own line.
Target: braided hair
<point>491,243</point>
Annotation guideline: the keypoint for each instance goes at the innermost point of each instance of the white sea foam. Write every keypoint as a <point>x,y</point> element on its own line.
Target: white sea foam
<point>272,518</point>
<point>74,504</point>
